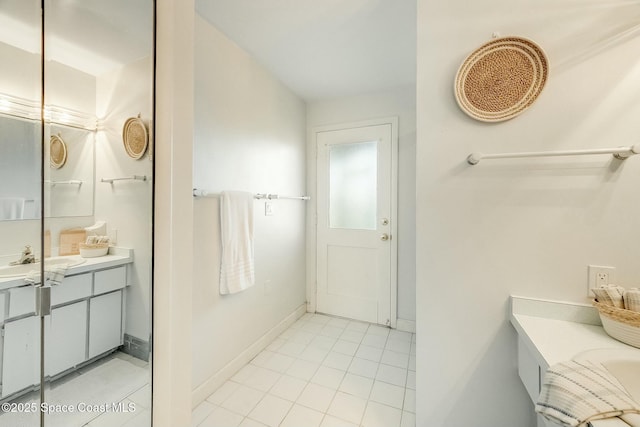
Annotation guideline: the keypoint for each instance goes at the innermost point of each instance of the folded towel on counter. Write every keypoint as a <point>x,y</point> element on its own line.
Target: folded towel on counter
<point>632,299</point>
<point>52,275</point>
<point>575,393</point>
<point>237,270</point>
<point>610,295</point>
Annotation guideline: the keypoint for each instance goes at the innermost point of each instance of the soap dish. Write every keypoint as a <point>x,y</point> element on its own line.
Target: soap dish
<point>92,250</point>
<point>620,323</point>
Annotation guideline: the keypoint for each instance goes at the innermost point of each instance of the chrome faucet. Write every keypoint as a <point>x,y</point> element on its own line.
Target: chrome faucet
<point>27,257</point>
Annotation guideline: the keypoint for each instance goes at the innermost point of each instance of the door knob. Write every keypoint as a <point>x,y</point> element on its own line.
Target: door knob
<point>384,237</point>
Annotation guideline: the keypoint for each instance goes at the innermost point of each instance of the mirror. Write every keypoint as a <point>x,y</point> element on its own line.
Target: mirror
<point>77,178</point>
<point>69,171</point>
<point>20,84</point>
<point>20,92</point>
<point>19,169</point>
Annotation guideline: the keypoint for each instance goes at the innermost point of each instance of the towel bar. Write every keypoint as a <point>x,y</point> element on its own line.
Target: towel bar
<point>268,196</point>
<point>620,153</point>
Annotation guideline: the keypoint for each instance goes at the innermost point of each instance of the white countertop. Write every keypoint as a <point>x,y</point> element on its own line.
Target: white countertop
<point>116,256</point>
<point>557,331</point>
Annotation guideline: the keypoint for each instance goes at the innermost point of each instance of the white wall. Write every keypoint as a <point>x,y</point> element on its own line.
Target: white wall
<point>526,227</point>
<point>69,88</point>
<point>16,235</point>
<point>397,102</point>
<point>126,206</point>
<point>173,213</point>
<point>249,136</point>
<point>20,73</point>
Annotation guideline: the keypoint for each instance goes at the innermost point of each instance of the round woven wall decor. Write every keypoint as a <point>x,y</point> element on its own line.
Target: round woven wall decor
<point>57,152</point>
<point>501,79</point>
<point>135,137</point>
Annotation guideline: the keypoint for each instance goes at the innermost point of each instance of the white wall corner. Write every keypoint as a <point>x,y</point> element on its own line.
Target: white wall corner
<point>215,381</point>
<point>406,325</point>
<point>173,248</point>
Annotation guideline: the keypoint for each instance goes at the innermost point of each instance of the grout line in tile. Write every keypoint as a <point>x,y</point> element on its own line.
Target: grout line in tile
<point>297,327</point>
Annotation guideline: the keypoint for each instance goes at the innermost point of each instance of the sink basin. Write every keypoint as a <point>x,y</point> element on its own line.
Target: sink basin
<point>624,364</point>
<point>20,270</point>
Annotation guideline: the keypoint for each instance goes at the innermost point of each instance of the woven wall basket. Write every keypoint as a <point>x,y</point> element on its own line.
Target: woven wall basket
<point>135,137</point>
<point>501,79</point>
<point>57,152</point>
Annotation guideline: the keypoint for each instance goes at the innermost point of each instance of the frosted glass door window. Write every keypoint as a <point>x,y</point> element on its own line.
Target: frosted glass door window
<point>353,171</point>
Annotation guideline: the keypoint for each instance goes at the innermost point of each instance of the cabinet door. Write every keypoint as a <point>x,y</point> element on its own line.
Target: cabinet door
<point>66,338</point>
<point>105,323</point>
<point>21,355</point>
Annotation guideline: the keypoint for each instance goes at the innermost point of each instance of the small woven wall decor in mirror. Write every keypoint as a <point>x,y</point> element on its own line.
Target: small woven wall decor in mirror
<point>57,152</point>
<point>135,137</point>
<point>501,79</point>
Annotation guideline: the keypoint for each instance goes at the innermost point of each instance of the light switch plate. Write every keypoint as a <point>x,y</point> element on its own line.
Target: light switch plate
<point>268,209</point>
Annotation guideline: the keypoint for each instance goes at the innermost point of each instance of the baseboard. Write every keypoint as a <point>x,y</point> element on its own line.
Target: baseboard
<point>200,393</point>
<point>136,347</point>
<point>406,325</point>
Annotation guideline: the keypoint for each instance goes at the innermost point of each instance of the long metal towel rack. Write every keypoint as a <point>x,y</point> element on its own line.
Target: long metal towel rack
<point>268,196</point>
<point>620,153</point>
<point>69,182</point>
<point>127,178</point>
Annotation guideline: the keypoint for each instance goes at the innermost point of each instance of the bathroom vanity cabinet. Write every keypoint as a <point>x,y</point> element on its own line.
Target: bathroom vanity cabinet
<point>86,322</point>
<point>550,332</point>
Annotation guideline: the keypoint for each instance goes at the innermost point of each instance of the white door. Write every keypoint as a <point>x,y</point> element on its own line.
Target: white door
<point>355,224</point>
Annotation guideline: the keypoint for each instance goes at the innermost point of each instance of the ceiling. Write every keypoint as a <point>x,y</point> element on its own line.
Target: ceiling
<point>94,36</point>
<point>324,49</point>
<point>319,48</point>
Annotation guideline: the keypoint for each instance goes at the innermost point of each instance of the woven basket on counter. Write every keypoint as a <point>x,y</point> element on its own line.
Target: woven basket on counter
<point>619,323</point>
<point>92,250</point>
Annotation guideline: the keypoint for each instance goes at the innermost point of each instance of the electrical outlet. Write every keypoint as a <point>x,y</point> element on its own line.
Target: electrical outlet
<point>600,275</point>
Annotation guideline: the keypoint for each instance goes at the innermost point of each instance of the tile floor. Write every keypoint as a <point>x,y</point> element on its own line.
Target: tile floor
<point>117,377</point>
<point>321,372</point>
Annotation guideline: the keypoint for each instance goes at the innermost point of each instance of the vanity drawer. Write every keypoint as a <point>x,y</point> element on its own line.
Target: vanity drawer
<point>109,280</point>
<point>72,288</point>
<point>22,300</point>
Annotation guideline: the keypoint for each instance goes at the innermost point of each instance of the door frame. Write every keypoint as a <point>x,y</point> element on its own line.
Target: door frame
<point>312,210</point>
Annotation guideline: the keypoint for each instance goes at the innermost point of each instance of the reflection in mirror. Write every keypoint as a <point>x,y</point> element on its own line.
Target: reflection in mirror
<point>20,178</point>
<point>19,169</point>
<point>20,89</point>
<point>98,72</point>
<point>69,172</point>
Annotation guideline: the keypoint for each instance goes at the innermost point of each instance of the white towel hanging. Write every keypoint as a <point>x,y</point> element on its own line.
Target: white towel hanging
<point>237,270</point>
<point>11,208</point>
